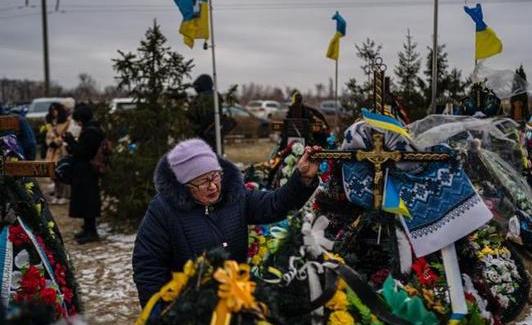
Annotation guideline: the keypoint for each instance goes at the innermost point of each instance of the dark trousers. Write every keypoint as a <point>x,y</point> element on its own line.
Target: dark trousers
<point>89,224</point>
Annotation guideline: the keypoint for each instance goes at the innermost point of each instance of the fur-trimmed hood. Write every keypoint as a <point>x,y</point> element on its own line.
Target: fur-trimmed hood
<point>176,193</point>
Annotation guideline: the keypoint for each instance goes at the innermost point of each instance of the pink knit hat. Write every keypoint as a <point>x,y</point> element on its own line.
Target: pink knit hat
<point>192,158</point>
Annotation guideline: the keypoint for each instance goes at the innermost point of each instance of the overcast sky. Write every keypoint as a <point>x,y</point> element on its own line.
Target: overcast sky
<point>270,42</point>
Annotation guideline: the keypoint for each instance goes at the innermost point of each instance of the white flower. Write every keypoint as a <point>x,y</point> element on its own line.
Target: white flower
<point>298,149</point>
<point>503,300</point>
<point>22,259</point>
<point>16,276</point>
<point>283,181</point>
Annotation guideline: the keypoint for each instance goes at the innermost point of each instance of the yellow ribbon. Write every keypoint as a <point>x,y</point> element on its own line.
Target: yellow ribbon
<point>235,292</point>
<point>168,292</point>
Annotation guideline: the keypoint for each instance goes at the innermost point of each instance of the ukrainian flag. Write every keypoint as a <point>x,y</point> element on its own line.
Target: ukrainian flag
<point>195,24</point>
<point>486,41</point>
<point>391,201</point>
<point>333,52</point>
<point>384,122</point>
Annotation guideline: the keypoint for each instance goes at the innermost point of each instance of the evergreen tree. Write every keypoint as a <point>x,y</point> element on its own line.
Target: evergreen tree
<point>407,72</point>
<point>408,67</point>
<point>155,76</point>
<point>442,81</point>
<point>456,85</point>
<point>368,51</point>
<point>519,87</point>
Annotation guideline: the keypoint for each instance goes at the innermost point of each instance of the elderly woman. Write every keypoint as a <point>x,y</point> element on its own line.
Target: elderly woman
<point>202,204</point>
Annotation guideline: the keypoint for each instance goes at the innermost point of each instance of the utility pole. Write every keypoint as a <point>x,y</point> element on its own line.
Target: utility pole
<point>45,48</point>
<point>434,60</point>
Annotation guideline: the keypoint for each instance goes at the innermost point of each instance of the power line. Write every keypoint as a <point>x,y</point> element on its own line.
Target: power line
<point>286,5</point>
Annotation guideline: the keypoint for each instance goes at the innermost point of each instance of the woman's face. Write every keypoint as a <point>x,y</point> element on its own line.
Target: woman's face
<point>206,189</point>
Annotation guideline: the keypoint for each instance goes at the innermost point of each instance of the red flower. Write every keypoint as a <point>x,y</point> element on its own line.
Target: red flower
<point>250,186</point>
<point>424,273</point>
<point>253,249</point>
<point>378,277</point>
<point>18,236</point>
<point>49,296</point>
<point>67,294</point>
<point>32,281</point>
<point>469,297</point>
<point>60,274</point>
<point>325,177</point>
<point>315,206</point>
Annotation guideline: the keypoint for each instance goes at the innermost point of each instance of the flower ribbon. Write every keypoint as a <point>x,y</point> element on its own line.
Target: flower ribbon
<point>235,292</point>
<point>168,292</point>
<point>314,237</point>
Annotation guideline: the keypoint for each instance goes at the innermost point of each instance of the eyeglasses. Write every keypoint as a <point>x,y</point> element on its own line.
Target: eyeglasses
<point>204,184</point>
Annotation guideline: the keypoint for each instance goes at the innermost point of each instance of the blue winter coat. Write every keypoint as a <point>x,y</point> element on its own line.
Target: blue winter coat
<point>176,228</point>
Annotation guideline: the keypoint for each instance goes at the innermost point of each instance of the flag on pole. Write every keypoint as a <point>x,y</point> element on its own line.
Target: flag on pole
<point>195,24</point>
<point>486,41</point>
<point>333,52</point>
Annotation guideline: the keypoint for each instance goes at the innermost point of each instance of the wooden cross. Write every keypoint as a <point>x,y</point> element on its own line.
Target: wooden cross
<point>379,157</point>
<point>22,168</point>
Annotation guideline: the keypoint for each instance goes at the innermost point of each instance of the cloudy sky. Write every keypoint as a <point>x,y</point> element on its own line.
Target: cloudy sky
<point>271,42</point>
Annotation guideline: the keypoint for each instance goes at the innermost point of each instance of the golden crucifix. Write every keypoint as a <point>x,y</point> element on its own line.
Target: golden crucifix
<point>379,157</point>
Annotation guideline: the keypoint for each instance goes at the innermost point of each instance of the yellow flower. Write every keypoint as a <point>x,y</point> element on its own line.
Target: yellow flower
<point>486,251</point>
<point>338,301</point>
<point>411,290</point>
<point>428,296</point>
<point>262,240</point>
<point>190,268</point>
<point>263,250</point>
<point>341,285</point>
<point>341,317</point>
<point>439,309</point>
<point>332,256</point>
<point>256,260</point>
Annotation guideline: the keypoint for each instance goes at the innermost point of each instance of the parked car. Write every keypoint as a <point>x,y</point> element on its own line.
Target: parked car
<point>122,104</point>
<point>248,124</point>
<point>263,108</point>
<point>39,106</point>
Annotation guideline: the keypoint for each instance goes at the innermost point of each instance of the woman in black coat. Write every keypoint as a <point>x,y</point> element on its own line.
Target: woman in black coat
<point>85,200</point>
<point>202,204</point>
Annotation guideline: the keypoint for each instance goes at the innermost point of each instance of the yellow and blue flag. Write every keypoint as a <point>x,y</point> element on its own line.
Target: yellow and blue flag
<point>195,24</point>
<point>486,41</point>
<point>384,122</point>
<point>333,52</point>
<point>391,201</point>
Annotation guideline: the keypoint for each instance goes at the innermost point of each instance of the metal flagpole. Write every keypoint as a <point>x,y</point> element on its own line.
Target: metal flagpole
<point>434,59</point>
<point>215,80</point>
<point>336,96</point>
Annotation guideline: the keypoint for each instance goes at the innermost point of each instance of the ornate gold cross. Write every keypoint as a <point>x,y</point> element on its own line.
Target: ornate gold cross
<point>378,157</point>
<point>22,168</point>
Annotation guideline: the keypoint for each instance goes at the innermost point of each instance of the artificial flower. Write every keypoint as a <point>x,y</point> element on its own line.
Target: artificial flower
<point>338,301</point>
<point>48,296</point>
<point>18,236</point>
<point>32,281</point>
<point>341,317</point>
<point>298,149</point>
<point>424,273</point>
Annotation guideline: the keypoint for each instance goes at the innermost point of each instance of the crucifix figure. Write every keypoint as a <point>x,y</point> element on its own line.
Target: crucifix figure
<point>379,157</point>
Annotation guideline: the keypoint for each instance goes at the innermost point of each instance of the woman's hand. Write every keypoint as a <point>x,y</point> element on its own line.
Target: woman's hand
<point>307,167</point>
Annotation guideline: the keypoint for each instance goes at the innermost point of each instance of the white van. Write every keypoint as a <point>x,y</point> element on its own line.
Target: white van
<point>39,106</point>
<point>123,104</point>
<point>263,108</point>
